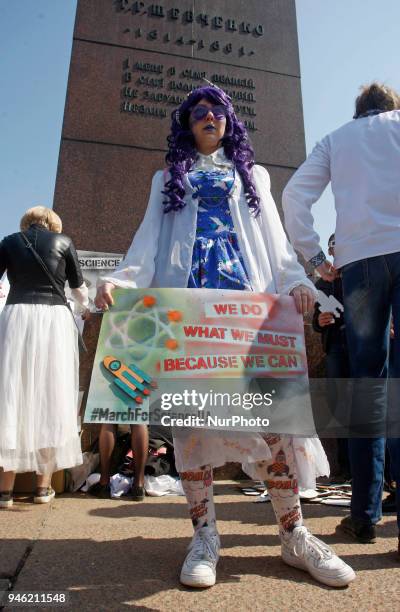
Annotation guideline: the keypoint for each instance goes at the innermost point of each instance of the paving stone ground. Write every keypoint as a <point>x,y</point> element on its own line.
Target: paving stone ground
<point>121,555</point>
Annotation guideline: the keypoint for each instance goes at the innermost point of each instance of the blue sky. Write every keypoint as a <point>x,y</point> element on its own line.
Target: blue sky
<point>343,44</point>
<point>35,47</point>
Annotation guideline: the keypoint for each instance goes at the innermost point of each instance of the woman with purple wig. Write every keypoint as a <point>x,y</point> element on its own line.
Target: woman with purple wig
<point>211,223</point>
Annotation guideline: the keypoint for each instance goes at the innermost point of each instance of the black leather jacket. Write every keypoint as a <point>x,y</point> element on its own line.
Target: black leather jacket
<point>28,283</point>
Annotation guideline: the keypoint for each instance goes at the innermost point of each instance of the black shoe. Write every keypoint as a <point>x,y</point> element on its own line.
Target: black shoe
<point>389,503</point>
<point>342,478</point>
<point>100,491</point>
<point>137,493</point>
<point>365,534</point>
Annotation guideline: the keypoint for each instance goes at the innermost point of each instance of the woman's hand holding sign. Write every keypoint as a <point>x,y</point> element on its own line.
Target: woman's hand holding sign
<point>304,298</point>
<point>104,297</point>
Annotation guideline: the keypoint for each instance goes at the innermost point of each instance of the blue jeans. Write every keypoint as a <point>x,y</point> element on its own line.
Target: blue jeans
<point>371,292</point>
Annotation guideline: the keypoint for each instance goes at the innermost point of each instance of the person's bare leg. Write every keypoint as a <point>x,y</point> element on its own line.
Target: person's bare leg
<point>106,447</point>
<point>7,480</point>
<point>43,481</point>
<point>140,446</point>
<point>44,491</point>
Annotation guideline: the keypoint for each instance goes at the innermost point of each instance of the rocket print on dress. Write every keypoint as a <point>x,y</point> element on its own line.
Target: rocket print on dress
<point>280,475</point>
<point>198,488</point>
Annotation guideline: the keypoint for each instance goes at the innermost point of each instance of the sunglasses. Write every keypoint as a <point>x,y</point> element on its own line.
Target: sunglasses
<point>200,112</point>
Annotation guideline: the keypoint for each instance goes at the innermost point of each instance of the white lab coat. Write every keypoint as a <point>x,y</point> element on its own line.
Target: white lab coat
<point>161,252</point>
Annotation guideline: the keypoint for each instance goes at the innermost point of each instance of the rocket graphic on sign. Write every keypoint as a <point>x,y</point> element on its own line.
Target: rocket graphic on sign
<point>133,381</point>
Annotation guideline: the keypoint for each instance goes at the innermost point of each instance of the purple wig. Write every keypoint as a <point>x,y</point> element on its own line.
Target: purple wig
<point>182,150</point>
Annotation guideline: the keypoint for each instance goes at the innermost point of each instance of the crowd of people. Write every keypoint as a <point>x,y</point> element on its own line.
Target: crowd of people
<point>212,182</point>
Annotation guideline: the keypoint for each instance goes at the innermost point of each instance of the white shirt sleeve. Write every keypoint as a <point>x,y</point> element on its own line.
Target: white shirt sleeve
<point>137,268</point>
<point>302,191</point>
<point>287,272</point>
<point>80,295</point>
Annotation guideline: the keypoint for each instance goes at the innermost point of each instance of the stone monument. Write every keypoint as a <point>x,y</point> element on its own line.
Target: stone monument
<point>132,63</point>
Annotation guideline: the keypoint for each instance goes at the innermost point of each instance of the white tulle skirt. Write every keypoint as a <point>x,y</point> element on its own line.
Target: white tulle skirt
<point>39,385</point>
<point>196,447</point>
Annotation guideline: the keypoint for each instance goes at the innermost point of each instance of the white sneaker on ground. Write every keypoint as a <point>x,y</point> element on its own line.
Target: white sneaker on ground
<point>43,495</point>
<point>303,550</point>
<point>6,499</point>
<point>199,567</point>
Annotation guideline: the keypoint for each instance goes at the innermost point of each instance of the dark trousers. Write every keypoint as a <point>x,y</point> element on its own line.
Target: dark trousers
<point>337,369</point>
<point>371,291</point>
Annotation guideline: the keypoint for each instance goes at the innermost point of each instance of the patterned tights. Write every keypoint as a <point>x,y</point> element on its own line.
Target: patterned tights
<point>279,473</point>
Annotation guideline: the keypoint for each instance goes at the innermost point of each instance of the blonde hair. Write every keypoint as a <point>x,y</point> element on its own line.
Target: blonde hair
<point>42,216</point>
<point>376,96</point>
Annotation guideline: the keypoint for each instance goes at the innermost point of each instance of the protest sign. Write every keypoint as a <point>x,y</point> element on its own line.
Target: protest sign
<point>155,343</point>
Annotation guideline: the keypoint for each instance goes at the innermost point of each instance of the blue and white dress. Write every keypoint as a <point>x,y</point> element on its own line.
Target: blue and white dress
<point>216,262</point>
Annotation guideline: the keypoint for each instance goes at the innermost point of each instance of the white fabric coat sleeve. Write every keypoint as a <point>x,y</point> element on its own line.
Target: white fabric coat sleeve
<point>136,270</point>
<point>302,191</point>
<point>80,295</point>
<point>286,269</point>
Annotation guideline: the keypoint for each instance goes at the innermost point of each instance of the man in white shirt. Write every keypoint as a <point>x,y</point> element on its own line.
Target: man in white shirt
<point>362,161</point>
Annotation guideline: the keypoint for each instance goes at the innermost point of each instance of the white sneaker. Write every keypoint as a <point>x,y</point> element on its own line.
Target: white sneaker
<point>43,495</point>
<point>306,552</point>
<point>6,500</point>
<point>199,567</point>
